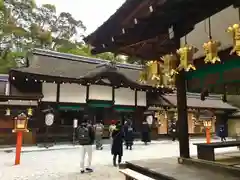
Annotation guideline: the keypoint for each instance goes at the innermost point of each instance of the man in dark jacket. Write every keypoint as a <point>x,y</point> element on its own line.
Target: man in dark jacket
<point>173,130</point>
<point>85,137</point>
<point>222,133</point>
<point>128,134</point>
<point>146,130</point>
<point>117,145</point>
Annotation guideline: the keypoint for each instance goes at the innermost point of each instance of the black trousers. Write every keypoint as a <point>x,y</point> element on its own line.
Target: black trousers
<point>223,139</point>
<point>115,159</point>
<point>129,145</point>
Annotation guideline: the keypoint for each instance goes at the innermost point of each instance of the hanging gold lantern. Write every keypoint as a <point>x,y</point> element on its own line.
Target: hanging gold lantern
<point>160,82</point>
<point>152,73</point>
<point>235,30</point>
<point>211,51</point>
<point>30,111</point>
<point>170,64</point>
<point>8,112</point>
<point>143,76</point>
<point>170,82</point>
<point>186,57</point>
<point>153,70</point>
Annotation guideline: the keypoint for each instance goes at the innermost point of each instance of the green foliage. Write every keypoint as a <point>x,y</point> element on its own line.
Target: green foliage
<point>24,26</point>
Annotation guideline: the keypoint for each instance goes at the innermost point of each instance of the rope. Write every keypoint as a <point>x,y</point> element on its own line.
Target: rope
<point>209,28</point>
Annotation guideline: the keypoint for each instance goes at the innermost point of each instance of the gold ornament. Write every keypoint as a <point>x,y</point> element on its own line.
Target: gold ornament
<point>153,70</point>
<point>143,77</point>
<point>235,30</point>
<point>30,111</point>
<point>170,65</point>
<point>186,57</point>
<point>170,82</point>
<point>152,73</point>
<point>211,51</point>
<point>158,81</point>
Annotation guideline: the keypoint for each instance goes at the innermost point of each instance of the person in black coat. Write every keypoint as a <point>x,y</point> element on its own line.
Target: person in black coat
<point>146,132</point>
<point>128,134</point>
<point>222,133</point>
<point>117,144</point>
<point>173,130</point>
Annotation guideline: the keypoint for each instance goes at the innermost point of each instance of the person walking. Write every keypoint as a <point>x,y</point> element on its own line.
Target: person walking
<point>128,134</point>
<point>99,128</point>
<point>117,144</point>
<point>85,137</point>
<point>222,133</point>
<point>173,130</point>
<point>111,129</point>
<point>146,132</point>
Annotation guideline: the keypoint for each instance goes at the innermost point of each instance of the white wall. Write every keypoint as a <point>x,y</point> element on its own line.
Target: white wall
<point>20,103</point>
<point>141,98</point>
<point>7,89</point>
<point>124,96</point>
<point>49,91</point>
<point>98,92</point>
<point>219,24</point>
<point>72,93</point>
<point>233,127</point>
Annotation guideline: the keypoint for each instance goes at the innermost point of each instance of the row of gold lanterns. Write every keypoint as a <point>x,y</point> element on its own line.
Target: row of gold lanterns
<point>29,112</point>
<point>163,74</point>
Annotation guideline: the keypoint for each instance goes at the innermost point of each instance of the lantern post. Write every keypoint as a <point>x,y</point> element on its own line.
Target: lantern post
<point>20,126</point>
<point>208,124</point>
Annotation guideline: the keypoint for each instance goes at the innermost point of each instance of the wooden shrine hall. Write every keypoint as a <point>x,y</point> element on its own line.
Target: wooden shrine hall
<point>179,39</point>
<point>73,86</point>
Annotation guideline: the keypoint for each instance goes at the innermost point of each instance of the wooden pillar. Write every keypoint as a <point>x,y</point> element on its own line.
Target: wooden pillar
<point>182,122</point>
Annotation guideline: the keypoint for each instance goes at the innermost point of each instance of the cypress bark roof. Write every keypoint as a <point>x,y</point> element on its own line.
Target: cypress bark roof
<point>194,101</point>
<point>53,66</point>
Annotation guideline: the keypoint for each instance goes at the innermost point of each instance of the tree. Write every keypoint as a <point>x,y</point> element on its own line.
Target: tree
<point>24,26</point>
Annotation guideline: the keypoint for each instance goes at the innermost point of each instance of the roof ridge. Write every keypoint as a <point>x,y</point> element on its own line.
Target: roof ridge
<point>197,95</point>
<point>78,58</point>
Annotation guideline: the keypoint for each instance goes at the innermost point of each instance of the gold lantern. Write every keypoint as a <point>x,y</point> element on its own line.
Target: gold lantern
<point>152,73</point>
<point>170,65</point>
<point>153,70</point>
<point>30,111</point>
<point>170,82</point>
<point>186,57</point>
<point>143,76</point>
<point>235,30</point>
<point>170,69</point>
<point>211,51</point>
<point>8,112</point>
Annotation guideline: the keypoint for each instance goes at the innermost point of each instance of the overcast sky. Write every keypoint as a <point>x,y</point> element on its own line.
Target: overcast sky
<point>92,12</point>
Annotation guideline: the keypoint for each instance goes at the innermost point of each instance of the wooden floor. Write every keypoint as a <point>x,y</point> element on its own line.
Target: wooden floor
<point>169,169</point>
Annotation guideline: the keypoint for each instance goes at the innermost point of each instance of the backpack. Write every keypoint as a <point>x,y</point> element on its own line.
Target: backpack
<point>83,136</point>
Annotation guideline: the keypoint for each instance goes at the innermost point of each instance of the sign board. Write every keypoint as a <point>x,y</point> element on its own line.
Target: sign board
<point>75,123</point>
<point>49,119</point>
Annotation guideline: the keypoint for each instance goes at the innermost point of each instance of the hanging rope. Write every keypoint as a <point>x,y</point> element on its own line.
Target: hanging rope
<point>185,39</point>
<point>209,28</point>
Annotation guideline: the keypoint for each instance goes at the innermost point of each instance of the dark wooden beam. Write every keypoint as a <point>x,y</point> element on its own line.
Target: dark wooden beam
<point>132,15</point>
<point>168,15</point>
<point>182,123</point>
